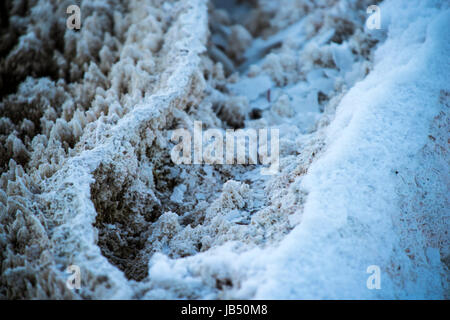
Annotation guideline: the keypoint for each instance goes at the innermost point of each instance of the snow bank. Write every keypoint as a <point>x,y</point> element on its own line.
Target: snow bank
<point>85,154</point>
<point>356,214</point>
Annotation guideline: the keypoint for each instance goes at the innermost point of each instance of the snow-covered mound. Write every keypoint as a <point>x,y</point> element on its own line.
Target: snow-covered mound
<point>86,119</point>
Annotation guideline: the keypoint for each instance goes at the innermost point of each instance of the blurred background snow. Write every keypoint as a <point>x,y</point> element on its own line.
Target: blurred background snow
<point>87,180</point>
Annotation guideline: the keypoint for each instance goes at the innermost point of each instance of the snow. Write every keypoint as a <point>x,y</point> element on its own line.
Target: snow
<point>178,193</point>
<point>363,117</point>
<point>348,222</point>
<point>252,88</point>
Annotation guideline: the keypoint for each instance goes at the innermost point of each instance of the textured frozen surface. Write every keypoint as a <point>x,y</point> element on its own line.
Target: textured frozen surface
<point>85,150</point>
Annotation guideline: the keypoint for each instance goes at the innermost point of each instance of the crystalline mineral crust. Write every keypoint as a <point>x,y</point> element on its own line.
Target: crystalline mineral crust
<point>87,179</point>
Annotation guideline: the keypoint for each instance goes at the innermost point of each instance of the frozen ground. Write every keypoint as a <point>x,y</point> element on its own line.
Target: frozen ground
<point>86,176</point>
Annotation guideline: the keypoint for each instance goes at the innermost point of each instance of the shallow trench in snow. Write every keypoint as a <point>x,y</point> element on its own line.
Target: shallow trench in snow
<point>87,177</point>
